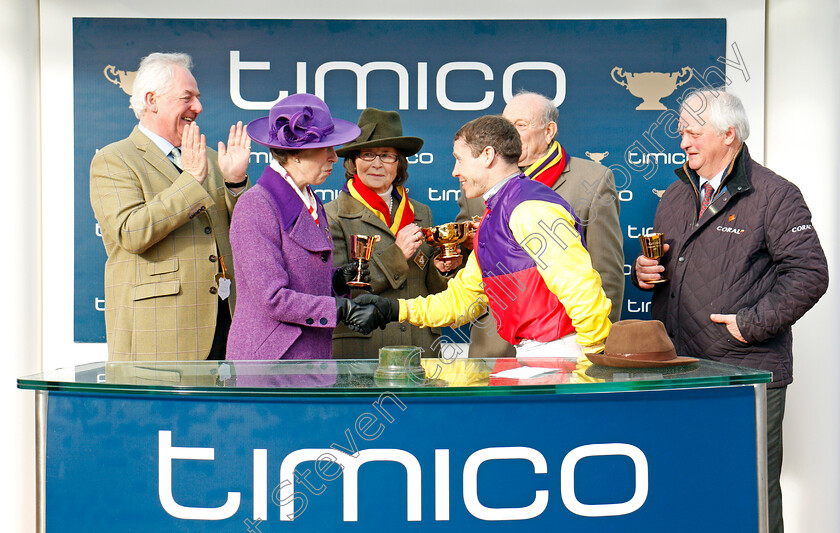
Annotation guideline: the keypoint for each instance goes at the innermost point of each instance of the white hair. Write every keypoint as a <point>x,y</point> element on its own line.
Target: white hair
<point>548,112</point>
<point>724,110</point>
<point>155,75</point>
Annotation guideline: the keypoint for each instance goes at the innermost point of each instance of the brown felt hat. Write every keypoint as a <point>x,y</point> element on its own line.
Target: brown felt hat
<point>638,344</point>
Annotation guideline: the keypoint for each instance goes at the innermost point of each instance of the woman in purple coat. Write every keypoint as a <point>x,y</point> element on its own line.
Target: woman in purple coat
<point>289,296</point>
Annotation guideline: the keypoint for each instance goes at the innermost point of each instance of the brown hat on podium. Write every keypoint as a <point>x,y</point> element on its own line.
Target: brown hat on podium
<point>638,344</point>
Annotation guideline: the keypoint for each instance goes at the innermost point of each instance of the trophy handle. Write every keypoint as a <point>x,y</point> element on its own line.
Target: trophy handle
<point>113,72</point>
<point>620,75</point>
<point>606,154</point>
<point>587,154</point>
<point>683,71</point>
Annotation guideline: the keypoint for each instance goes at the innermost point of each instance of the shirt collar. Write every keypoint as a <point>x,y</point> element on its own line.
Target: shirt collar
<point>715,181</point>
<point>164,145</point>
<point>495,188</point>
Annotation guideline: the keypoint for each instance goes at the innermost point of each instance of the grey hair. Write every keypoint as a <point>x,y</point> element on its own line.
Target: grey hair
<point>155,75</point>
<point>724,110</point>
<point>548,113</point>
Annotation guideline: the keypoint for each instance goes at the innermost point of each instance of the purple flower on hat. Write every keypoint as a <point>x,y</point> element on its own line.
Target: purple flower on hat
<point>297,129</point>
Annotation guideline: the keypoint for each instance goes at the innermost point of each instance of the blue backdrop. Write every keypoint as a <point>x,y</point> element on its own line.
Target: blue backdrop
<point>439,74</point>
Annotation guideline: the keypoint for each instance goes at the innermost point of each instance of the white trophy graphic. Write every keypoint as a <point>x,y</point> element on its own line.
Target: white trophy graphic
<point>122,79</point>
<point>597,156</point>
<point>651,86</point>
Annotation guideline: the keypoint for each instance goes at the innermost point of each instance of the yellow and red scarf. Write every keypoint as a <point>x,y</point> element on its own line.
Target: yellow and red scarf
<point>361,192</point>
<point>548,168</point>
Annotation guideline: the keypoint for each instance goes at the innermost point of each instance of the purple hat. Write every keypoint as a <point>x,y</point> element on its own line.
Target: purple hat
<point>300,122</point>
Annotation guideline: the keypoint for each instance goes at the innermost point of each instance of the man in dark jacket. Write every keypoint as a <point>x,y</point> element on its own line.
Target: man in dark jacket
<point>742,260</point>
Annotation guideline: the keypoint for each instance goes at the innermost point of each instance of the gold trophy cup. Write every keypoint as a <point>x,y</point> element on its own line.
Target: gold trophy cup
<point>362,249</point>
<point>652,248</point>
<point>448,236</point>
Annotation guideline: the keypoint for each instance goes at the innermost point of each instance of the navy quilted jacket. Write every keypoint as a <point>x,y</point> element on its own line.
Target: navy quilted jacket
<point>753,253</point>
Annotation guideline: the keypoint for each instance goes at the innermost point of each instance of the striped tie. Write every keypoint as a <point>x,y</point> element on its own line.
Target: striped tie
<point>707,197</point>
<point>176,158</point>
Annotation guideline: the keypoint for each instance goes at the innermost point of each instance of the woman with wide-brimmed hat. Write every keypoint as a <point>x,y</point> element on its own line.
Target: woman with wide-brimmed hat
<point>290,297</point>
<point>374,201</point>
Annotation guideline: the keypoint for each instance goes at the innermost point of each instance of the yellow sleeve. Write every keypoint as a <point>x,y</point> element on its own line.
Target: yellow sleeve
<point>547,232</point>
<point>462,301</point>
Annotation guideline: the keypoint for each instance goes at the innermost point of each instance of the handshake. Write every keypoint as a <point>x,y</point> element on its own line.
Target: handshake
<point>367,312</point>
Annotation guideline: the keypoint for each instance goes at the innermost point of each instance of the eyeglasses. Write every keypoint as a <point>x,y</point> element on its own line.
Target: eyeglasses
<point>385,158</point>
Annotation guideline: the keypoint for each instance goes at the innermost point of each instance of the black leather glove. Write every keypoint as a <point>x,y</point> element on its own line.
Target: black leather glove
<point>347,272</point>
<point>387,310</point>
<point>360,318</point>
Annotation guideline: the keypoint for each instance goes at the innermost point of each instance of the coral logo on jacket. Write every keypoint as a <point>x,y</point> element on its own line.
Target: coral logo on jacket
<point>724,229</point>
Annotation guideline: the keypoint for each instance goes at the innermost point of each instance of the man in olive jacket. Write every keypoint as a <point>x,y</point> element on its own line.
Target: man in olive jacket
<point>742,260</point>
<point>164,201</point>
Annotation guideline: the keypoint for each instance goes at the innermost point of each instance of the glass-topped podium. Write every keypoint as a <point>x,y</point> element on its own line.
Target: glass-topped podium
<point>356,377</point>
<point>327,445</point>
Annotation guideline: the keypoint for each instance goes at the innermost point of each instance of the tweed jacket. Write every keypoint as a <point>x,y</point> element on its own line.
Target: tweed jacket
<point>391,277</point>
<point>163,232</point>
<point>286,307</point>
<point>589,188</point>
